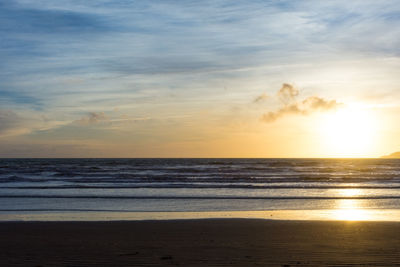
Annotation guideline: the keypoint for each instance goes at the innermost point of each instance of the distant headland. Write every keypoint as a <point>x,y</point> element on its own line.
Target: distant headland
<point>395,155</point>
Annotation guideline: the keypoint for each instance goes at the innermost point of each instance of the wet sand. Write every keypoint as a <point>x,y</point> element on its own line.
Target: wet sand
<point>213,242</point>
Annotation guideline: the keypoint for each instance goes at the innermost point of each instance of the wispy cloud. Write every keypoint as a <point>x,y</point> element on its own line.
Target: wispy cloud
<point>14,124</point>
<point>17,18</point>
<point>46,41</point>
<point>261,98</point>
<point>92,118</point>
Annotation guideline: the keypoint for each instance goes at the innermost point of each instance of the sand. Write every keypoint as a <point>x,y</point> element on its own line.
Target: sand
<point>225,242</point>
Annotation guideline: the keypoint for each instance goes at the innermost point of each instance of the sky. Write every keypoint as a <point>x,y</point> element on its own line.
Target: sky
<point>199,78</point>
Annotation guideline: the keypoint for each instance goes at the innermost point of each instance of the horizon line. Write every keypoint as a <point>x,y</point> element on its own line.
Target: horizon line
<point>381,157</point>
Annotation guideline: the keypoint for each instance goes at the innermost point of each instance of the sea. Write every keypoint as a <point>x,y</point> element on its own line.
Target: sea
<point>147,189</point>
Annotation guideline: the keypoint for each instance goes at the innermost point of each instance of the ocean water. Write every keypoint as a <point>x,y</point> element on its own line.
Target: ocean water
<point>35,189</point>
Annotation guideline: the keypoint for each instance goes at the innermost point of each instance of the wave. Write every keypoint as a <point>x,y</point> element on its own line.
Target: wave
<point>201,197</point>
<point>67,210</point>
<point>203,178</point>
<point>186,172</point>
<point>217,186</point>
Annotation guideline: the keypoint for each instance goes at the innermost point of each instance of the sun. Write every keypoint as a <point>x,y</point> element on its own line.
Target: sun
<point>349,132</point>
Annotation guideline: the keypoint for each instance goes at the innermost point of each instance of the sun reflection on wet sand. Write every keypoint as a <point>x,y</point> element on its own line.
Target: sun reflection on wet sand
<point>350,210</point>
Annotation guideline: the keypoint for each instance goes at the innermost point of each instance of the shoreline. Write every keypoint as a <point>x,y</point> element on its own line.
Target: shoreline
<point>345,214</point>
<point>200,242</point>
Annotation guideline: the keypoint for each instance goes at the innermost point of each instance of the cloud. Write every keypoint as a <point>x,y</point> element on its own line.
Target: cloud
<point>287,94</point>
<point>99,42</point>
<point>24,122</point>
<point>92,118</point>
<point>317,103</point>
<point>261,98</point>
<point>12,123</point>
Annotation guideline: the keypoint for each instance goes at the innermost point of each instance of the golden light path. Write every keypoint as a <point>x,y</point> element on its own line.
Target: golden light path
<point>350,209</point>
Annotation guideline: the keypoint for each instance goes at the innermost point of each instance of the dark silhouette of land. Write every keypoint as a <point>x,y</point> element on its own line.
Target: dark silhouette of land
<point>395,155</point>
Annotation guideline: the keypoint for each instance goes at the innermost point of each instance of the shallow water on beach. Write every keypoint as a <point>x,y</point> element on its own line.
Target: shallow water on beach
<point>348,189</point>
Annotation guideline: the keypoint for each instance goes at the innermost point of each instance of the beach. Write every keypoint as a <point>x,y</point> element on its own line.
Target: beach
<point>202,242</point>
<point>199,212</point>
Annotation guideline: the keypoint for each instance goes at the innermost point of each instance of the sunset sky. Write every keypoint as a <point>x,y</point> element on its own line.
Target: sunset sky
<point>199,78</point>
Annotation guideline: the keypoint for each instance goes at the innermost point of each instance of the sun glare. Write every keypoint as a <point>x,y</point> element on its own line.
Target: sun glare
<point>349,132</point>
<point>349,210</point>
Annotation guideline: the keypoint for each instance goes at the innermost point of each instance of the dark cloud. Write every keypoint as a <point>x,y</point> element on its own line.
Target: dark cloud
<point>287,94</point>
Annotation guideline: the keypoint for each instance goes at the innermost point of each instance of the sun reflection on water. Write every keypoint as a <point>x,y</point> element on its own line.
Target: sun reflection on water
<point>350,209</point>
<point>351,192</point>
